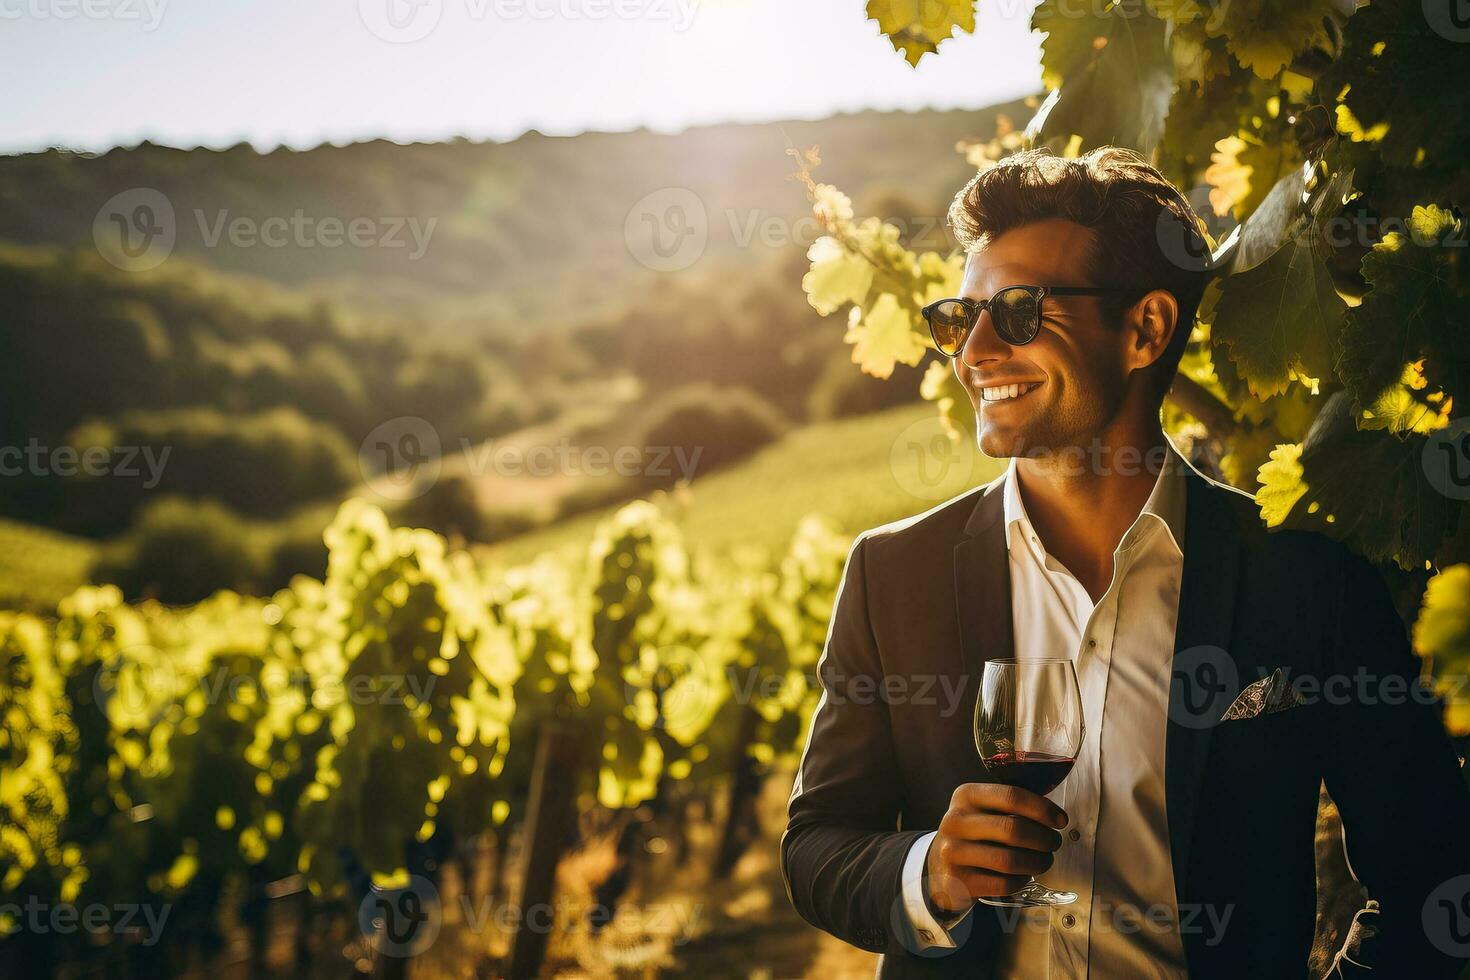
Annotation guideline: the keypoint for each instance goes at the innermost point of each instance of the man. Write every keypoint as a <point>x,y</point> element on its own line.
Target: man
<point>1226,673</point>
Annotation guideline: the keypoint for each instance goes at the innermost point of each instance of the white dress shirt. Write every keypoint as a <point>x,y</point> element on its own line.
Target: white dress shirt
<point>1115,848</point>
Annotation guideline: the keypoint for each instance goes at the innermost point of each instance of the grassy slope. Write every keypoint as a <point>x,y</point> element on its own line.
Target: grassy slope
<point>841,469</point>
<point>40,566</point>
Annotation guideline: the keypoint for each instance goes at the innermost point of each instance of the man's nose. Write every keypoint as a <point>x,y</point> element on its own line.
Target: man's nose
<point>983,343</point>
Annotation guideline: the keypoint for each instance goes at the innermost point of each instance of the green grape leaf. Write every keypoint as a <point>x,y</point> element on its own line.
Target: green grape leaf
<point>1416,308</point>
<point>917,27</point>
<point>1198,58</point>
<point>837,276</point>
<point>1245,169</point>
<point>1279,319</point>
<point>1265,35</point>
<point>1110,71</point>
<point>1280,484</point>
<point>1397,409</point>
<point>883,337</point>
<point>1263,232</point>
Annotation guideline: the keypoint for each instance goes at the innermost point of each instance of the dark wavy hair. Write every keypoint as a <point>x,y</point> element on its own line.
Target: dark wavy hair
<point>1144,232</point>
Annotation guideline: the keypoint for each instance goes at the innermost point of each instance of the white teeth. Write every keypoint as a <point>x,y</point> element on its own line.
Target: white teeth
<point>1003,392</point>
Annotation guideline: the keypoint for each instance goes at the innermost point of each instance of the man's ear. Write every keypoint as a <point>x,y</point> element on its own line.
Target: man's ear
<point>1152,323</point>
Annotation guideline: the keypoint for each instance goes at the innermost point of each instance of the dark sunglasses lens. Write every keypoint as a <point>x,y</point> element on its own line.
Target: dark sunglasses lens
<point>949,322</point>
<point>1016,315</point>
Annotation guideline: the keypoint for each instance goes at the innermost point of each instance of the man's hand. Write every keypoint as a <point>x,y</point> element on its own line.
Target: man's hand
<point>992,838</point>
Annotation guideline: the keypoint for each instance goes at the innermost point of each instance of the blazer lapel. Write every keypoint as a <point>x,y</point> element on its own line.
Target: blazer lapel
<point>1206,612</point>
<point>982,580</point>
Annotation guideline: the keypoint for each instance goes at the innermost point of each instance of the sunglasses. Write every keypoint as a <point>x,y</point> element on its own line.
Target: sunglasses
<point>1015,311</point>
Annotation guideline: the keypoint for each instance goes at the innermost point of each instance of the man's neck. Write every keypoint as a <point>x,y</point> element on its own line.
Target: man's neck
<point>1082,502</point>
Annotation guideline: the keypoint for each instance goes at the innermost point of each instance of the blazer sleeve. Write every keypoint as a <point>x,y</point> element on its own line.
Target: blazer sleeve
<point>842,855</point>
<point>1396,779</point>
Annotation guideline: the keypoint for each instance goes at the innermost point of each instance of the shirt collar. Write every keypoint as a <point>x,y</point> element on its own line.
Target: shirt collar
<point>1165,503</point>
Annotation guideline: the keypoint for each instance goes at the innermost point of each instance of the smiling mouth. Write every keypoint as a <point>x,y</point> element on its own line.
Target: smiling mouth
<point>1004,393</point>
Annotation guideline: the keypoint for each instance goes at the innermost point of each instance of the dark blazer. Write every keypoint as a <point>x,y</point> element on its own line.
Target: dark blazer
<point>925,601</point>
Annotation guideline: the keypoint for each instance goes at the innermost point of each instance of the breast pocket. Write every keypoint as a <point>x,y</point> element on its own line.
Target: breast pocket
<point>1266,746</point>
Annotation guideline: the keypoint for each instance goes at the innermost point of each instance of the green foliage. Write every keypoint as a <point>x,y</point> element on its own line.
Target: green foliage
<point>452,508</point>
<point>261,464</point>
<point>1117,70</point>
<point>260,398</point>
<point>1414,147</point>
<point>1413,318</point>
<point>710,426</point>
<point>750,331</point>
<point>1279,319</point>
<point>411,675</point>
<point>150,753</point>
<point>181,551</point>
<point>1319,485</point>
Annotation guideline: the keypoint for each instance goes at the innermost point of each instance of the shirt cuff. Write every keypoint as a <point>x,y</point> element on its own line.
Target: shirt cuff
<point>929,932</point>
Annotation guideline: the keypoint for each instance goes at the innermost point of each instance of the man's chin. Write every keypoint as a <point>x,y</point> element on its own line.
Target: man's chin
<point>1002,442</point>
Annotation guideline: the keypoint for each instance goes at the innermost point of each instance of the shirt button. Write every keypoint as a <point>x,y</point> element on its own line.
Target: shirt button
<point>1075,835</point>
<point>1092,643</point>
<point>1069,920</point>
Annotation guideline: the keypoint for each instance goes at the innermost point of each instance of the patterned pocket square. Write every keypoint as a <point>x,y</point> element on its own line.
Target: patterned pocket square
<point>1265,696</point>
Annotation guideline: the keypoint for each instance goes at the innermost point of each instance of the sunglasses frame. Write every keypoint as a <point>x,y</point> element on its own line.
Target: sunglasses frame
<point>1038,293</point>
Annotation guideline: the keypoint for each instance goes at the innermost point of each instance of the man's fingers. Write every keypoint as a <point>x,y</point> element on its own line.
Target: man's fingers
<point>994,858</point>
<point>997,798</point>
<point>1000,828</point>
<point>993,839</point>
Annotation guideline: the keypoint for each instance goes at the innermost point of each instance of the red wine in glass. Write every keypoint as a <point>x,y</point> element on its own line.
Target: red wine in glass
<point>1039,772</point>
<point>1028,730</point>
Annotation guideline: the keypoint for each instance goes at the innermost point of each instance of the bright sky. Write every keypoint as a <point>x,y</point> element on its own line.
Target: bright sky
<point>93,74</point>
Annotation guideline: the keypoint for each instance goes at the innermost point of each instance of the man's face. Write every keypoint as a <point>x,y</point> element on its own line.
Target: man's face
<point>1076,366</point>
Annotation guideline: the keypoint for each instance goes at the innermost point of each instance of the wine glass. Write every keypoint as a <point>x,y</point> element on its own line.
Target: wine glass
<point>1028,729</point>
